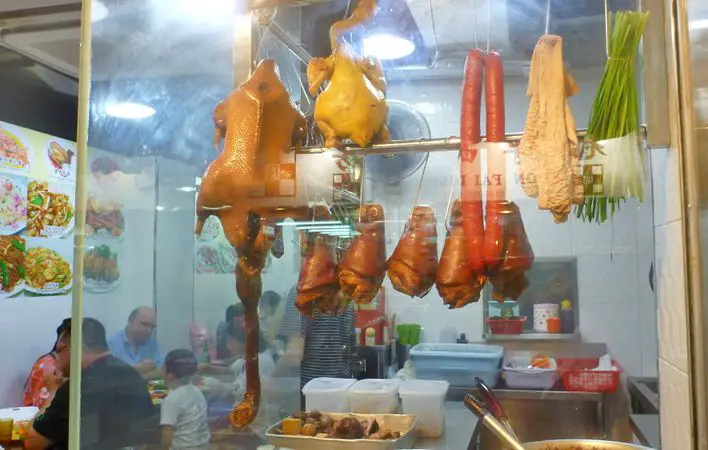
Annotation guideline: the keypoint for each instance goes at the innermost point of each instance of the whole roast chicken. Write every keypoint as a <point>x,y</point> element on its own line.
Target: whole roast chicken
<point>414,262</point>
<point>457,282</point>
<point>318,284</point>
<point>362,270</point>
<point>353,105</point>
<point>256,122</point>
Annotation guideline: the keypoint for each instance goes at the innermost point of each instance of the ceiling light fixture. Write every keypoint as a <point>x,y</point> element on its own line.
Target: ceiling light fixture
<point>99,11</point>
<point>129,110</point>
<point>387,46</point>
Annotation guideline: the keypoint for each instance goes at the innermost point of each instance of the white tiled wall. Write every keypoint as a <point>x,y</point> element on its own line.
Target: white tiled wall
<point>671,296</point>
<point>613,259</point>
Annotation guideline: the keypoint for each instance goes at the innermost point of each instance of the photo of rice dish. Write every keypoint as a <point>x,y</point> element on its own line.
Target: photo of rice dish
<point>47,211</point>
<point>13,205</point>
<point>101,266</point>
<point>46,269</point>
<point>13,153</point>
<point>12,262</point>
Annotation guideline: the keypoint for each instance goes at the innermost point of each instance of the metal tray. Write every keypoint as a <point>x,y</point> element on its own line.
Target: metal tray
<point>581,444</point>
<point>403,423</point>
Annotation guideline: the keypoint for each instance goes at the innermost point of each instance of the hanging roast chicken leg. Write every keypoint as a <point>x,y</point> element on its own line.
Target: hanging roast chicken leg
<point>413,265</point>
<point>362,270</point>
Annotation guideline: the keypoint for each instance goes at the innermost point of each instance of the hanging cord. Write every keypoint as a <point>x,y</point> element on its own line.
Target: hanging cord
<point>489,24</point>
<point>452,188</point>
<point>475,5</point>
<point>548,17</point>
<point>264,34</point>
<point>420,185</point>
<point>435,33</point>
<point>361,185</point>
<point>607,28</point>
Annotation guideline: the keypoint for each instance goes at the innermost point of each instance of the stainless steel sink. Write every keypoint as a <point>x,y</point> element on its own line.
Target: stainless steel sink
<point>644,392</point>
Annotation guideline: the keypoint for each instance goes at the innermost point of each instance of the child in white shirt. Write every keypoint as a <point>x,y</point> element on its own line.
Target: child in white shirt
<point>183,417</point>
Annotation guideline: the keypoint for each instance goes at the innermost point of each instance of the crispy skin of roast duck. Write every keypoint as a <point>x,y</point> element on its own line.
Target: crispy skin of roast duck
<point>353,105</point>
<point>318,284</point>
<point>508,273</point>
<point>414,262</point>
<point>257,122</point>
<point>362,270</point>
<point>457,282</point>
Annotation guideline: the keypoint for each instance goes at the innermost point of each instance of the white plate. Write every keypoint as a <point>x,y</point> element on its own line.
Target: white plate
<point>100,288</point>
<point>19,287</point>
<point>49,289</point>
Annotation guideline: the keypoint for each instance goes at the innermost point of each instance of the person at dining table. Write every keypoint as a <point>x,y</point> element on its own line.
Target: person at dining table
<point>45,377</point>
<point>136,344</point>
<point>115,403</point>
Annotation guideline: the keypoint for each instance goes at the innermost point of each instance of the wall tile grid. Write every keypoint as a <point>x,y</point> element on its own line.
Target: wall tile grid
<point>613,259</point>
<point>672,317</point>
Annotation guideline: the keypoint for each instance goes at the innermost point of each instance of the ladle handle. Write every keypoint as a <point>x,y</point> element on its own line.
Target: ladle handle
<point>477,407</point>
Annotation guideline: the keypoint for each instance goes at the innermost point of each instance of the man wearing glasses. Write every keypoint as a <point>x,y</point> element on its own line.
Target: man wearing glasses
<point>136,343</point>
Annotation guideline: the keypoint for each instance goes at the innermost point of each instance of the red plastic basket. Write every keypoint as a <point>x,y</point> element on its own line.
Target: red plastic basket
<point>506,326</point>
<point>578,375</point>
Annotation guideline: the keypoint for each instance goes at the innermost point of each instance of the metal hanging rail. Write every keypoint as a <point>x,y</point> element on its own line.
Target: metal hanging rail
<point>424,145</point>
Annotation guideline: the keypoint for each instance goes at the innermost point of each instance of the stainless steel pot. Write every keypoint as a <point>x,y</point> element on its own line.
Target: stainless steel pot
<point>580,444</point>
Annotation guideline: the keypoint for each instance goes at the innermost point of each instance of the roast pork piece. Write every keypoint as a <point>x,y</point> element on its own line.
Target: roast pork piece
<point>363,267</point>
<point>413,265</point>
<point>457,283</point>
<point>318,282</point>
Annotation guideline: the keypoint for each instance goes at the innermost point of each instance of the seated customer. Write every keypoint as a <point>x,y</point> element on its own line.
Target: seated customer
<point>114,398</point>
<point>44,378</point>
<point>235,317</point>
<point>136,343</point>
<point>183,417</point>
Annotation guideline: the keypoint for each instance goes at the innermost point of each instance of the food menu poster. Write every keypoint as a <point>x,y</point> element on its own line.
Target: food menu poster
<point>37,211</point>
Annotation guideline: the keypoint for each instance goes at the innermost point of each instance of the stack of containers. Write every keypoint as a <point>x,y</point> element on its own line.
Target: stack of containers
<point>328,394</point>
<point>425,399</point>
<point>458,364</point>
<point>374,396</point>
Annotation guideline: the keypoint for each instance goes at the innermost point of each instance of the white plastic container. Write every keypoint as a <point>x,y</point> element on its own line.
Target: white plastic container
<point>425,399</point>
<point>328,394</point>
<point>518,375</point>
<point>374,396</point>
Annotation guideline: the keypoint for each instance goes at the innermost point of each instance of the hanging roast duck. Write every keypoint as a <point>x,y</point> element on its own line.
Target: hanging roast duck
<point>256,121</point>
<point>362,270</point>
<point>414,262</point>
<point>353,104</point>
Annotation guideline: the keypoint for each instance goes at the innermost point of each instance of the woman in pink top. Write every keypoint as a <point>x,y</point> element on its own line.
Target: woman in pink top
<point>40,384</point>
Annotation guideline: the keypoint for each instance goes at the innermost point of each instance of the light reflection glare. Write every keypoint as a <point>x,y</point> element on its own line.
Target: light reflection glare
<point>387,46</point>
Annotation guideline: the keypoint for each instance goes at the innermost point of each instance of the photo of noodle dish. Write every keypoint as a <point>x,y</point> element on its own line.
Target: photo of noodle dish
<point>50,212</point>
<point>46,271</point>
<point>12,265</point>
<point>14,154</point>
<point>13,204</point>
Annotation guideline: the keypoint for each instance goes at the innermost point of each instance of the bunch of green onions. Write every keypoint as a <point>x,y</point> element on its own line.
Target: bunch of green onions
<point>614,114</point>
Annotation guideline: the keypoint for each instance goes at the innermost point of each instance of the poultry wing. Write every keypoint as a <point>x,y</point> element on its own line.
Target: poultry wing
<point>362,270</point>
<point>414,262</point>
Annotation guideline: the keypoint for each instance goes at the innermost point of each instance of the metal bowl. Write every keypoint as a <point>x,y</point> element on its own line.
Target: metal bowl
<point>586,444</point>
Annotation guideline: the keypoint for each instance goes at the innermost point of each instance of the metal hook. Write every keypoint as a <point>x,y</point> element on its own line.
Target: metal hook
<point>476,23</point>
<point>452,187</point>
<point>420,185</point>
<point>548,16</point>
<point>362,180</point>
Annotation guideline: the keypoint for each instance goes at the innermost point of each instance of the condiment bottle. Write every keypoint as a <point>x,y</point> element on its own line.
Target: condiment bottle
<point>567,317</point>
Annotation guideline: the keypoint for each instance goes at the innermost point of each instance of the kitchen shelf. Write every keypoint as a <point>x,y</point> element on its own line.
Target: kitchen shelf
<point>489,337</point>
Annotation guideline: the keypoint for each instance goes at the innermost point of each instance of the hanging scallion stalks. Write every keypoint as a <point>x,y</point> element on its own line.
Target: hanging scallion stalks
<point>615,114</point>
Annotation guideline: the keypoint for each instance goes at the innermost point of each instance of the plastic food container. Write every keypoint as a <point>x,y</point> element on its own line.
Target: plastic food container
<point>425,399</point>
<point>518,376</point>
<point>458,364</point>
<point>374,396</point>
<point>327,394</point>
